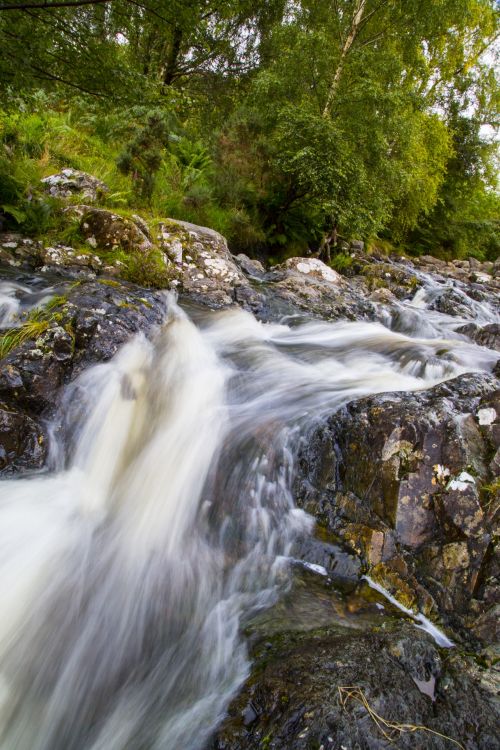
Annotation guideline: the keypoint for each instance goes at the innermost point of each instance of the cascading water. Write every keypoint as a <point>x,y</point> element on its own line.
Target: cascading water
<point>418,317</point>
<point>18,298</point>
<point>167,519</point>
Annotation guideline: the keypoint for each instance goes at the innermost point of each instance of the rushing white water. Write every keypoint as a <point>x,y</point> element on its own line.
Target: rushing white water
<point>9,302</point>
<point>418,317</point>
<point>167,519</point>
<point>16,298</point>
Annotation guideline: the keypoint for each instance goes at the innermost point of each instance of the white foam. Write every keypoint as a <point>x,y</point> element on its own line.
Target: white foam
<point>486,416</point>
<point>313,567</point>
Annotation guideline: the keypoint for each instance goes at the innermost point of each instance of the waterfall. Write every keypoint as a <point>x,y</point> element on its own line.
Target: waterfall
<point>166,519</point>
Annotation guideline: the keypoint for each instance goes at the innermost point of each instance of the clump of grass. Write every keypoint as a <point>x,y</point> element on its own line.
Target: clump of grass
<point>385,726</point>
<point>341,261</point>
<point>34,325</point>
<point>148,269</point>
<point>14,337</point>
<point>57,301</point>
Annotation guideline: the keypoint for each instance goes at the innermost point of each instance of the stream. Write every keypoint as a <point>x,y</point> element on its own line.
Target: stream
<point>165,520</point>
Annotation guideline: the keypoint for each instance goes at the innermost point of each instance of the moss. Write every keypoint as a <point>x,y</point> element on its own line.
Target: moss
<point>127,305</point>
<point>490,496</point>
<point>110,282</point>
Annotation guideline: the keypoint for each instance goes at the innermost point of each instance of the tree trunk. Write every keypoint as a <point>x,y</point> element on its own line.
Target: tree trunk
<point>353,32</point>
<point>171,63</point>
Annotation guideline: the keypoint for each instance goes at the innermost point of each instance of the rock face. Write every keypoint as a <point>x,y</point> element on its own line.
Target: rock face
<point>84,324</point>
<point>405,481</point>
<point>488,335</point>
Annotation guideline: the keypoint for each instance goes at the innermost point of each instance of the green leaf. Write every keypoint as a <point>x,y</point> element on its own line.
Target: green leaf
<point>17,213</point>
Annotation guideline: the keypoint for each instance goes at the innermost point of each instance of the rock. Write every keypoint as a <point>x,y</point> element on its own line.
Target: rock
<point>68,258</point>
<point>22,441</point>
<point>337,562</point>
<point>383,295</point>
<point>313,268</point>
<point>488,335</point>
<point>71,182</point>
<point>87,324</point>
<point>431,261</point>
<point>357,245</point>
<point>208,271</point>
<point>252,268</point>
<point>106,230</point>
<point>321,689</point>
<point>398,278</point>
<point>451,301</point>
<point>308,285</point>
<point>399,478</point>
<point>19,252</point>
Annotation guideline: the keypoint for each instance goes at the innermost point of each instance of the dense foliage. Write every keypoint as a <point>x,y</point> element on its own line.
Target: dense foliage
<point>278,122</point>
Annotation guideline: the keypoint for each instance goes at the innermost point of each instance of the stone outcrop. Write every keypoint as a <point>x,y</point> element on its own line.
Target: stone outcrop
<point>208,271</point>
<point>72,182</point>
<point>407,481</point>
<point>105,230</point>
<point>307,285</point>
<point>322,675</point>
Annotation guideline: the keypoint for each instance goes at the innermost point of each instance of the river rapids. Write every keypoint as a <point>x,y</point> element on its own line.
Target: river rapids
<point>166,519</point>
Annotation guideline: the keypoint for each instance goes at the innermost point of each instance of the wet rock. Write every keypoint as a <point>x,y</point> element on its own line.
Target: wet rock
<point>87,324</point>
<point>397,278</point>
<point>22,441</point>
<point>399,478</point>
<point>488,335</point>
<point>336,562</point>
<point>249,266</point>
<point>383,295</point>
<point>325,689</point>
<point>72,182</point>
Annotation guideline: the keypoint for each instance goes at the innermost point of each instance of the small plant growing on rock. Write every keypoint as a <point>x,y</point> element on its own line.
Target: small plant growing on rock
<point>32,325</point>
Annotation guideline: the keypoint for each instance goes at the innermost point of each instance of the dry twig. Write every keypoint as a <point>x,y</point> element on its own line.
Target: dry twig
<point>355,693</point>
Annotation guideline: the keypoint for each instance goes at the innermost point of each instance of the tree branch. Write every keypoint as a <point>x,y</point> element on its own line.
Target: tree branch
<point>46,5</point>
